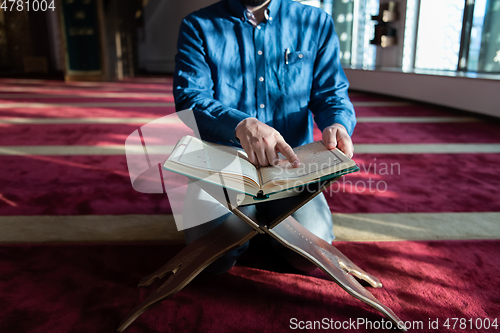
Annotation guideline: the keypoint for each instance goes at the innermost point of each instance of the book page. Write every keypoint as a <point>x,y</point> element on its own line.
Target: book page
<point>212,157</point>
<point>314,159</point>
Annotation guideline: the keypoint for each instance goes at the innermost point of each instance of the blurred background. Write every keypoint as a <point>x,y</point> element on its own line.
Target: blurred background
<point>111,40</point>
<point>139,36</point>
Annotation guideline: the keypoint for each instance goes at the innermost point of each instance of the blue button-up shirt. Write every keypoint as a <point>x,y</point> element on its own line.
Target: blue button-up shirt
<point>282,72</point>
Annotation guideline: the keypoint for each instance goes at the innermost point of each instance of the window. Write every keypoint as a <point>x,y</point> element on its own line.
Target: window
<point>453,35</point>
<point>489,52</point>
<point>445,35</point>
<point>439,32</point>
<point>354,28</point>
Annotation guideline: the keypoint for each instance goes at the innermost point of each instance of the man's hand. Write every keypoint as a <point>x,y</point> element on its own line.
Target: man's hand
<point>262,143</point>
<point>336,136</point>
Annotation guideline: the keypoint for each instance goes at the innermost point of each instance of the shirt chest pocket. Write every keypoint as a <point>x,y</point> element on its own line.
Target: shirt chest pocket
<point>297,74</point>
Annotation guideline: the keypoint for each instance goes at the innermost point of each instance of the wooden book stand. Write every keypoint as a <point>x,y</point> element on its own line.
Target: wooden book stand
<point>240,228</point>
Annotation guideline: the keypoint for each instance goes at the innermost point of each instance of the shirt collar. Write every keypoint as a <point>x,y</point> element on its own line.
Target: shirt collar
<point>239,10</point>
<point>252,19</point>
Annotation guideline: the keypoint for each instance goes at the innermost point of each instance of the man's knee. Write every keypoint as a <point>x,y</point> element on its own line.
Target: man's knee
<point>227,261</point>
<point>316,217</point>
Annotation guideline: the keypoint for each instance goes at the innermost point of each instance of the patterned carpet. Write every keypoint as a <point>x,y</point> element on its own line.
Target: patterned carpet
<point>423,215</point>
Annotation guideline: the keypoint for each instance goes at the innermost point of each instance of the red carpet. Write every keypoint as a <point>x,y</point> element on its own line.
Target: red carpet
<point>403,111</point>
<point>89,288</point>
<point>81,112</point>
<point>73,185</point>
<point>419,133</point>
<point>107,134</point>
<point>44,86</point>
<point>67,134</point>
<point>85,112</point>
<point>167,98</point>
<point>100,185</point>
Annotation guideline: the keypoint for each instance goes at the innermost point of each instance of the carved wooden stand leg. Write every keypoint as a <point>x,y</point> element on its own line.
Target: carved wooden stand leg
<point>195,257</point>
<point>331,261</point>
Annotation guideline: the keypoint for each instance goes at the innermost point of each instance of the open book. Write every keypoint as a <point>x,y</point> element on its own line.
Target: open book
<point>229,167</point>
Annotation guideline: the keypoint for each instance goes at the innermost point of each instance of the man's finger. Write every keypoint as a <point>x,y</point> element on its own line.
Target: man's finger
<point>261,156</point>
<point>330,138</point>
<point>345,144</point>
<point>250,153</point>
<point>253,159</point>
<point>288,152</point>
<point>272,155</point>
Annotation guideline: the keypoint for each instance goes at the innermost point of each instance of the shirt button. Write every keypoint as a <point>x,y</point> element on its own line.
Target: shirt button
<point>262,106</point>
<point>259,52</point>
<point>243,19</point>
<point>301,56</point>
<point>259,27</point>
<point>261,79</point>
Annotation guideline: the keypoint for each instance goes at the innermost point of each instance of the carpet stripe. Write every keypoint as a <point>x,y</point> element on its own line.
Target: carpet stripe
<point>417,119</point>
<point>347,227</point>
<point>89,228</point>
<point>93,94</point>
<point>95,120</point>
<point>441,148</point>
<point>84,105</point>
<point>358,148</point>
<point>148,105</point>
<point>416,226</point>
<point>144,120</point>
<point>82,150</point>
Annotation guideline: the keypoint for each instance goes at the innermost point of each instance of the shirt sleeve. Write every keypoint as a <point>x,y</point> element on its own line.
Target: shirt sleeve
<point>194,88</point>
<point>329,101</point>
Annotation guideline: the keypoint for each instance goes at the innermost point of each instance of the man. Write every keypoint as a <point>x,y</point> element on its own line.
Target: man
<point>254,72</point>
